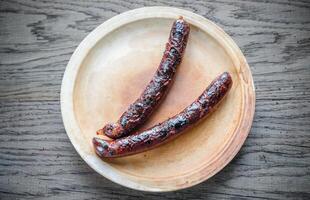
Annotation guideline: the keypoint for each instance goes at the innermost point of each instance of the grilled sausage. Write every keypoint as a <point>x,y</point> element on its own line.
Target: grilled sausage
<point>170,128</point>
<point>137,113</point>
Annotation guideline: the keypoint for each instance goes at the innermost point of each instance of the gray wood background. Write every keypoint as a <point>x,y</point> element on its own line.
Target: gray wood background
<point>37,160</point>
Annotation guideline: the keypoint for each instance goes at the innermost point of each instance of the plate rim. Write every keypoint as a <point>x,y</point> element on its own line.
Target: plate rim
<point>73,66</point>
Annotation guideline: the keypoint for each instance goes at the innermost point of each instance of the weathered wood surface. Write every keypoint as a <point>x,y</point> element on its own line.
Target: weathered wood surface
<point>37,160</point>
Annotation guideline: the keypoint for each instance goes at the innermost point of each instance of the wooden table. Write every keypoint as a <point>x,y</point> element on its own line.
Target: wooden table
<point>37,160</point>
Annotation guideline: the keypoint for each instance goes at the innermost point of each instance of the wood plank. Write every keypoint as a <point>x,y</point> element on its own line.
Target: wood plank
<point>37,160</point>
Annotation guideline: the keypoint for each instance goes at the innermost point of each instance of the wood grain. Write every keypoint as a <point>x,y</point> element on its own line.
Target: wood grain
<point>37,161</point>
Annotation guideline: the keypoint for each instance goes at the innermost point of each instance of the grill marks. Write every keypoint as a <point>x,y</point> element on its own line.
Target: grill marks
<point>170,128</point>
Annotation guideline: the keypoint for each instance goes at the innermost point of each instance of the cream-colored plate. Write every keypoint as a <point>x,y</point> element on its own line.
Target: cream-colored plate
<point>112,66</point>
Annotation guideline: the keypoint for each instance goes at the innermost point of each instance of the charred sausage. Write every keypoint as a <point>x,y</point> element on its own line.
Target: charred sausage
<point>170,128</point>
<point>137,113</point>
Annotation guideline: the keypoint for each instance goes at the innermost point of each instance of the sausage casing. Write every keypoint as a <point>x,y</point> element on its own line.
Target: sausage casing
<point>137,113</point>
<point>170,128</point>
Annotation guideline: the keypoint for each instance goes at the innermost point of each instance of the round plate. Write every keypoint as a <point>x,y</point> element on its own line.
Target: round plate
<point>112,66</point>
